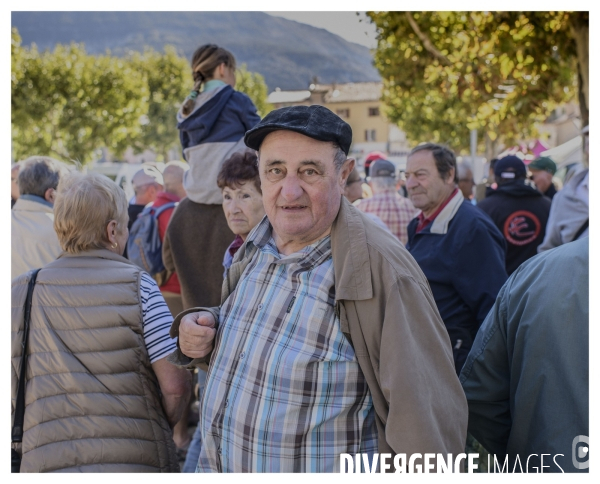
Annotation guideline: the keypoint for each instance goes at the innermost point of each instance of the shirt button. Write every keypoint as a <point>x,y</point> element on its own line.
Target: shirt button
<point>242,355</point>
<point>226,403</point>
<point>219,451</point>
<point>260,306</point>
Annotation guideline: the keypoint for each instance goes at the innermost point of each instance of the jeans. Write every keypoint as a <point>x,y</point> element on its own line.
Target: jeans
<point>191,459</point>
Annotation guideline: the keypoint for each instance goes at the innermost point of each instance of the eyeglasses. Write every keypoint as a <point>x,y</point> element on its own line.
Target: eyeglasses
<point>144,187</point>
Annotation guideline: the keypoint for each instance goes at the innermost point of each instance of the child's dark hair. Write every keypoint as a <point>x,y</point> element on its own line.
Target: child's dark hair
<point>204,62</point>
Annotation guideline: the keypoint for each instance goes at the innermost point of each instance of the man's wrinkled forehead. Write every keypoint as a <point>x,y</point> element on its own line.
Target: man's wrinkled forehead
<point>285,140</point>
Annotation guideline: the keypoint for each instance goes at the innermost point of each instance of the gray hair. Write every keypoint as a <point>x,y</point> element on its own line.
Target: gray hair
<point>382,183</point>
<point>463,168</point>
<point>38,173</point>
<point>339,157</point>
<point>444,158</point>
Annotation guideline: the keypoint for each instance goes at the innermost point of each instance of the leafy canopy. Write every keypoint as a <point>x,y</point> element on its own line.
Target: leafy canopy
<point>69,104</point>
<point>446,73</point>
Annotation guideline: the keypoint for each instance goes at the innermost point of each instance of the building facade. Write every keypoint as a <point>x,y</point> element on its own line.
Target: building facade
<point>359,104</point>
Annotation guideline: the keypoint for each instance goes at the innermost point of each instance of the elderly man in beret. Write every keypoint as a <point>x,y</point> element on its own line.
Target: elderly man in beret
<point>328,339</point>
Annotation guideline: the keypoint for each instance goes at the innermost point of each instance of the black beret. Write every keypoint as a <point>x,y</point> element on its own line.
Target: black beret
<point>315,121</point>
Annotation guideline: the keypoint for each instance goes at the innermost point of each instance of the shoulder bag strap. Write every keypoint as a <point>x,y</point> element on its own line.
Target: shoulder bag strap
<point>17,429</point>
<point>581,230</point>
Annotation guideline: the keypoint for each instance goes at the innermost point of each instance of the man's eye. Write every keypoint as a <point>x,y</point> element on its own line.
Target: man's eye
<point>310,172</point>
<point>275,174</point>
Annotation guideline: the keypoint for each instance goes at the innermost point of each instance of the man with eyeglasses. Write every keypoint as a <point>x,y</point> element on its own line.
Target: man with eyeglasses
<point>328,340</point>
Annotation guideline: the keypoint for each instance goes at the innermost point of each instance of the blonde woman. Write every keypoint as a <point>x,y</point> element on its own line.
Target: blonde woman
<point>212,123</point>
<point>100,396</point>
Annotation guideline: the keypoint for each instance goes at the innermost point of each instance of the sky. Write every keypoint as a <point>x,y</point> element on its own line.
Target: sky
<point>348,25</point>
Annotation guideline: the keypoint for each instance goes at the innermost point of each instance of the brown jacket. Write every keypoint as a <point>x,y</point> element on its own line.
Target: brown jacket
<point>92,401</point>
<point>387,311</point>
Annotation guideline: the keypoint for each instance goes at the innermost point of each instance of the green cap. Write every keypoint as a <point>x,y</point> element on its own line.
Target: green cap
<point>543,163</point>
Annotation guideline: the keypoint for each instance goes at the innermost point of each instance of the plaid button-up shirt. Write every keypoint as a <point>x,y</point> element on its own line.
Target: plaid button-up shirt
<point>284,391</point>
<point>394,210</point>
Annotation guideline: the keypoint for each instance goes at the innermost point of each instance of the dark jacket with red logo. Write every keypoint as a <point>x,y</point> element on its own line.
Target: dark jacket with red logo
<point>521,214</point>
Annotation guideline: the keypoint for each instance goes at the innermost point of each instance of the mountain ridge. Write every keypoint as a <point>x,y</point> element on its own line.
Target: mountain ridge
<point>286,52</point>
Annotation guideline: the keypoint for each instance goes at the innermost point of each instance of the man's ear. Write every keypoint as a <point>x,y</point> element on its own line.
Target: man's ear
<point>50,195</point>
<point>451,175</point>
<point>347,168</point>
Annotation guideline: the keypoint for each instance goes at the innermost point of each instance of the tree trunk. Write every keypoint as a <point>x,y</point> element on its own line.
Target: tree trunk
<point>580,30</point>
<point>490,147</point>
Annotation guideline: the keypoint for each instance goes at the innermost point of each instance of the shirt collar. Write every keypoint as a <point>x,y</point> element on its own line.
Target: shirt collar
<point>167,197</point>
<point>36,198</point>
<point>392,193</point>
<point>307,257</point>
<point>212,84</point>
<point>235,245</point>
<point>441,218</point>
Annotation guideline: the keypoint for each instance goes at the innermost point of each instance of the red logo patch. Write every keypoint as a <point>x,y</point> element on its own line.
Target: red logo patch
<point>521,227</point>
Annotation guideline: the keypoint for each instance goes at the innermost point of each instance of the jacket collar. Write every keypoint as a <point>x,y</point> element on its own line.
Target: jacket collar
<point>163,198</point>
<point>26,205</point>
<point>517,188</point>
<point>35,198</point>
<point>100,253</point>
<point>351,262</point>
<point>441,222</point>
<point>350,254</point>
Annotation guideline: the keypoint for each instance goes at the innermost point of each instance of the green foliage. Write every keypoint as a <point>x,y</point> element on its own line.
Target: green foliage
<point>446,73</point>
<point>253,84</point>
<point>68,104</point>
<point>166,76</point>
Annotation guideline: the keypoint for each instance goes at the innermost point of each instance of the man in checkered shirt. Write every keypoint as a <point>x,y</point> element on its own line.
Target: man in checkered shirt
<point>327,340</point>
<point>394,210</point>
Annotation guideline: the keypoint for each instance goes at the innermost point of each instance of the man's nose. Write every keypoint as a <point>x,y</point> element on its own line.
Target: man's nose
<point>411,181</point>
<point>291,189</point>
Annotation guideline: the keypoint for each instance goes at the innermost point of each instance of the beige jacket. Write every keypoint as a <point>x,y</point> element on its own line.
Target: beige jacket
<point>33,240</point>
<point>387,311</point>
<point>92,401</point>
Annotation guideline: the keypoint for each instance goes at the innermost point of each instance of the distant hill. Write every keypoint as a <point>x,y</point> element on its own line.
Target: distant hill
<point>287,53</point>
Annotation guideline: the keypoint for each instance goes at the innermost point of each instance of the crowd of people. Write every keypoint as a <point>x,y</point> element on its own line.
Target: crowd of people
<point>311,310</point>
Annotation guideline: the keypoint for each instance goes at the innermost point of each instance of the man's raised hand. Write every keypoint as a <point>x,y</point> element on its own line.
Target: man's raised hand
<point>196,334</point>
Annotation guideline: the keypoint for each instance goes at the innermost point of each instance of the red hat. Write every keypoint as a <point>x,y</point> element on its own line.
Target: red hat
<point>374,155</point>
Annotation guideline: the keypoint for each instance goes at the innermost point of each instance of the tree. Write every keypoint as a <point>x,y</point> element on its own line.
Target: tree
<point>166,76</point>
<point>253,84</point>
<point>446,73</point>
<point>68,104</point>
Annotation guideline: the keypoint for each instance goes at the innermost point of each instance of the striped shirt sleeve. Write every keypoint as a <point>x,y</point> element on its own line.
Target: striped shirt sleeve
<point>156,320</point>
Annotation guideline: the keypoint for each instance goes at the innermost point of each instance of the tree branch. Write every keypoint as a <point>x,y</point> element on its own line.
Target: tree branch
<point>426,41</point>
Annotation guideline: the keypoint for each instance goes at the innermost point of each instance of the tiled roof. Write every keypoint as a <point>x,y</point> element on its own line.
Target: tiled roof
<point>332,93</point>
<point>277,97</point>
<point>351,92</point>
